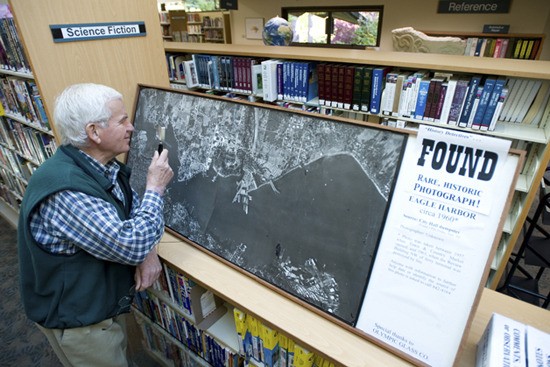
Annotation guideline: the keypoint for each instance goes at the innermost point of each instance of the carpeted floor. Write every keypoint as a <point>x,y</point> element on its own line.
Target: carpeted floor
<point>21,343</point>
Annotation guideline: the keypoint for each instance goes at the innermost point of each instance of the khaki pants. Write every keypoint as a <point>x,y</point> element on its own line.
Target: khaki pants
<point>99,345</point>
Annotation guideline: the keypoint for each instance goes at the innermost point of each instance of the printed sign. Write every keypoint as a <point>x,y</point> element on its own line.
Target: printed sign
<point>439,234</point>
<point>95,31</point>
<point>473,6</point>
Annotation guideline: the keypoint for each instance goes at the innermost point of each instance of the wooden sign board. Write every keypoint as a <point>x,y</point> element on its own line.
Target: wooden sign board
<point>300,201</point>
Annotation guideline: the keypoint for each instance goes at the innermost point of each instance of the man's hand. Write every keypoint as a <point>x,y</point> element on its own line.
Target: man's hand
<point>148,271</point>
<point>159,172</point>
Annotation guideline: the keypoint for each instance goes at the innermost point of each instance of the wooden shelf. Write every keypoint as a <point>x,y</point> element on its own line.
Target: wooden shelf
<point>464,64</point>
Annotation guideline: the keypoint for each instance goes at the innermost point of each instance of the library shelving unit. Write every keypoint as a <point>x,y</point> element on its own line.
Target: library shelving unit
<point>164,18</point>
<point>26,139</point>
<point>532,138</point>
<point>208,27</point>
<point>511,45</point>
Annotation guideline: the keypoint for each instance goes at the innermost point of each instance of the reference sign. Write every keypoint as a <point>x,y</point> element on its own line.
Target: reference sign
<point>473,6</point>
<point>94,31</point>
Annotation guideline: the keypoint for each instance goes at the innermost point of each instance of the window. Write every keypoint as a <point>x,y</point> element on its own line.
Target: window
<point>345,27</point>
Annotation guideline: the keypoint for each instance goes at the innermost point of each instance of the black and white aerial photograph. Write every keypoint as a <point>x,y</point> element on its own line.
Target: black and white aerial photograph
<point>298,200</point>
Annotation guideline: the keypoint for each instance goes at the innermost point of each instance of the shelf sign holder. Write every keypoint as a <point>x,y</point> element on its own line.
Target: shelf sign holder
<point>95,31</point>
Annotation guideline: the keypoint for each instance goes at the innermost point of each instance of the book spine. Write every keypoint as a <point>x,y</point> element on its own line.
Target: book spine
<point>488,87</point>
<point>492,103</point>
<point>498,108</point>
<point>321,79</point>
<point>358,79</point>
<point>421,99</point>
<point>349,74</point>
<point>366,90</point>
<point>469,101</point>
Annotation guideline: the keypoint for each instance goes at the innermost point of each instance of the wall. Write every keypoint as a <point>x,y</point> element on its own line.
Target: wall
<point>525,16</point>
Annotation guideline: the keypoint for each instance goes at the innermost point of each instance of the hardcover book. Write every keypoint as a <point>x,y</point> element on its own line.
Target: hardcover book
<point>469,101</point>
<point>377,85</point>
<point>502,343</point>
<point>488,87</point>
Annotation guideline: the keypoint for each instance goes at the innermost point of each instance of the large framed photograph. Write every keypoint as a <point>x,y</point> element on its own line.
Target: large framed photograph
<point>297,200</point>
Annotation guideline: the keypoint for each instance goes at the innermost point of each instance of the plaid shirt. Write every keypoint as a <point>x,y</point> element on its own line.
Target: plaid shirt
<point>69,221</point>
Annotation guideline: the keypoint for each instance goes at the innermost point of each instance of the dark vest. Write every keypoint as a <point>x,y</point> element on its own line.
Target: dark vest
<point>66,291</point>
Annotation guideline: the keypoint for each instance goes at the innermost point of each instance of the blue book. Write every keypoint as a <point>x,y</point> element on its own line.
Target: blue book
<point>421,99</point>
<point>312,82</point>
<point>286,79</point>
<point>488,87</point>
<point>492,104</point>
<point>469,101</point>
<point>377,86</point>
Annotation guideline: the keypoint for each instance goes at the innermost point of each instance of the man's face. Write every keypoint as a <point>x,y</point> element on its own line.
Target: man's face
<point>115,138</point>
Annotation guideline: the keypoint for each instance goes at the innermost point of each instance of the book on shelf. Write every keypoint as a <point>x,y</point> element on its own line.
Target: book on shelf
<point>257,80</point>
<point>438,100</point>
<point>514,85</point>
<point>495,106</point>
<point>358,79</point>
<point>422,98</point>
<point>498,109</point>
<point>270,80</point>
<point>349,75</point>
<point>540,101</point>
<point>538,347</point>
<point>508,342</point>
<point>377,86</point>
<point>443,116</point>
<point>432,98</point>
<point>487,90</point>
<point>191,77</point>
<point>469,101</point>
<point>321,83</point>
<point>329,92</point>
<point>502,343</point>
<point>388,93</point>
<point>525,100</point>
<point>366,89</point>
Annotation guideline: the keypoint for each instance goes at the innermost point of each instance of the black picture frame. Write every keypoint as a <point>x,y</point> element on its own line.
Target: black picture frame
<point>297,200</point>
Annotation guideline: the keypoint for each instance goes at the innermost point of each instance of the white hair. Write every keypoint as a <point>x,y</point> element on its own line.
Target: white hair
<point>77,106</point>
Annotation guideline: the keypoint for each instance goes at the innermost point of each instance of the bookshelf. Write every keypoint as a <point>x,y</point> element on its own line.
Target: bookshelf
<point>208,27</point>
<point>532,138</point>
<point>526,46</point>
<point>26,139</point>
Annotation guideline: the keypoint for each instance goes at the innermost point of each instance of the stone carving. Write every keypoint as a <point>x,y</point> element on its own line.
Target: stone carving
<point>410,40</point>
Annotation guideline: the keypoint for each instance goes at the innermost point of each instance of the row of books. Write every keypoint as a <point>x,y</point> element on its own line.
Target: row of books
<point>266,347</point>
<point>165,347</point>
<point>184,330</point>
<point>465,100</point>
<point>31,144</point>
<point>508,342</point>
<point>209,22</point>
<point>8,196</point>
<point>510,48</point>
<point>12,56</point>
<point>21,98</point>
<point>177,287</point>
<point>470,101</point>
<point>11,163</point>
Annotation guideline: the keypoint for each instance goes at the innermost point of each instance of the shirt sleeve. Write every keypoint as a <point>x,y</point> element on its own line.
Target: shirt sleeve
<point>93,225</point>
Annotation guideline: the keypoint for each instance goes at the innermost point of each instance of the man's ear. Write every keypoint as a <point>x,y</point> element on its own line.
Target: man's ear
<point>92,131</point>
